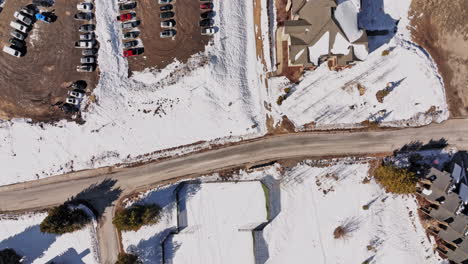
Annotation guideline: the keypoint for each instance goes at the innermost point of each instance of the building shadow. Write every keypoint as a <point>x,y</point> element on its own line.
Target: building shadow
<point>70,256</point>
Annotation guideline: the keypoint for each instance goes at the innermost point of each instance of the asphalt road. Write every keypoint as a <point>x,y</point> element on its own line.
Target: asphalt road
<point>55,190</point>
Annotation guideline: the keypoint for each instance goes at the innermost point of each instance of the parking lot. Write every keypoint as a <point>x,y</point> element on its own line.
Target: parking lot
<point>159,52</point>
<point>33,83</point>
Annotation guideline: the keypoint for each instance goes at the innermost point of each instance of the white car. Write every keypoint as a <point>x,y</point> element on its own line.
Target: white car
<point>26,20</point>
<point>167,24</point>
<point>168,33</point>
<point>208,31</point>
<point>84,44</point>
<point>72,101</point>
<point>87,59</point>
<point>18,26</point>
<point>87,36</point>
<point>76,93</point>
<point>162,2</point>
<point>84,6</point>
<point>85,68</point>
<point>12,51</point>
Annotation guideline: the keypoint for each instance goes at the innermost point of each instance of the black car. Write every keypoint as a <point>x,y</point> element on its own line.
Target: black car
<point>209,14</point>
<point>84,16</point>
<point>206,23</point>
<point>87,28</point>
<point>89,52</point>
<point>44,3</point>
<point>79,85</point>
<point>16,42</point>
<point>131,34</point>
<point>166,15</point>
<point>127,6</point>
<point>130,44</point>
<point>17,34</point>
<point>166,8</point>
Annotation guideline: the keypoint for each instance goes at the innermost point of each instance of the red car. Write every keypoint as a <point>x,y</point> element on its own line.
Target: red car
<point>206,6</point>
<point>125,17</point>
<point>132,52</point>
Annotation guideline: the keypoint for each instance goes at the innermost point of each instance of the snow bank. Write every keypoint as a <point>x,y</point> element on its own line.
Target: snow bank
<point>320,48</point>
<point>22,233</point>
<point>217,94</point>
<point>314,201</point>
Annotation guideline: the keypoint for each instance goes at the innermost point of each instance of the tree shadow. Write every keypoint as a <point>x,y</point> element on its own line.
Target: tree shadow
<point>31,243</point>
<point>170,247</point>
<point>70,256</point>
<point>419,146</point>
<point>98,196</point>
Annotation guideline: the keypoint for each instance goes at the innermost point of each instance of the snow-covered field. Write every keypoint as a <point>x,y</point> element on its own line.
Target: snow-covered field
<point>306,204</point>
<point>332,99</point>
<point>22,233</point>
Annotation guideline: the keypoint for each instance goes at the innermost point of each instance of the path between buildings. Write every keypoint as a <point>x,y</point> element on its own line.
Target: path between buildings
<point>55,190</point>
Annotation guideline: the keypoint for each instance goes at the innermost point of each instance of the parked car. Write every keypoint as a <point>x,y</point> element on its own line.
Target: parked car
<point>87,59</point>
<point>44,18</point>
<point>208,31</point>
<point>17,34</point>
<point>161,2</point>
<point>89,52</point>
<point>87,36</point>
<point>165,8</point>
<point>85,68</point>
<point>76,93</point>
<point>168,23</point>
<point>132,52</point>
<point>44,3</point>
<point>26,20</point>
<point>208,14</point>
<point>87,28</point>
<point>68,108</point>
<point>18,26</point>
<point>72,100</point>
<point>131,34</point>
<point>166,15</point>
<point>84,16</point>
<point>130,44</point>
<point>84,44</point>
<point>16,42</point>
<point>85,6</point>
<point>130,24</point>
<point>127,16</point>
<point>81,85</point>
<point>167,33</point>
<point>206,22</point>
<point>28,11</point>
<point>13,51</point>
<point>128,6</point>
<point>206,6</point>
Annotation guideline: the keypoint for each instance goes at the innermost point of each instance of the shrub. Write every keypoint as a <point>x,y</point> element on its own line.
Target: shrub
<point>287,90</point>
<point>385,52</point>
<point>381,94</point>
<point>365,207</point>
<point>135,217</point>
<point>396,180</point>
<point>125,258</point>
<point>280,100</point>
<point>9,256</point>
<point>62,219</point>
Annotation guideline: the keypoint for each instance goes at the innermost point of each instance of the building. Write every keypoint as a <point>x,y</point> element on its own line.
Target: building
<point>447,194</point>
<point>322,31</point>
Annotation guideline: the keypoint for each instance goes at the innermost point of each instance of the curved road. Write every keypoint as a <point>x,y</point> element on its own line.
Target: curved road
<point>55,190</point>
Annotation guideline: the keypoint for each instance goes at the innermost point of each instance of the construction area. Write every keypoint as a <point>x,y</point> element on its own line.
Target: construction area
<point>33,84</point>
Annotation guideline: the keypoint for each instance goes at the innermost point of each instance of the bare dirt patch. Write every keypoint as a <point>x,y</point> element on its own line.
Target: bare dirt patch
<point>159,52</point>
<point>31,85</point>
<point>441,27</point>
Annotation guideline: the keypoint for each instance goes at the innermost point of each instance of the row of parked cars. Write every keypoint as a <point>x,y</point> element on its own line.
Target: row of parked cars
<point>24,20</point>
<point>129,27</point>
<point>169,23</point>
<point>76,94</point>
<point>206,17</point>
<point>87,40</point>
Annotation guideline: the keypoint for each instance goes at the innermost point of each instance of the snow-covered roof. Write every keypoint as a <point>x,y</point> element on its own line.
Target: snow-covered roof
<point>319,48</point>
<point>347,16</point>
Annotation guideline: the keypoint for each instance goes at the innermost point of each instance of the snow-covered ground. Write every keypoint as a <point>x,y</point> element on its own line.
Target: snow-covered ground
<point>332,99</point>
<point>211,215</point>
<point>22,233</point>
<point>217,94</point>
<point>307,202</point>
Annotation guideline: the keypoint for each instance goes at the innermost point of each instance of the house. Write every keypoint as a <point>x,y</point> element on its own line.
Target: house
<point>447,194</point>
<point>322,31</point>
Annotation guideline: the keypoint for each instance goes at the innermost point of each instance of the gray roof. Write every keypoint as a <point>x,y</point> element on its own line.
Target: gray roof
<point>451,202</point>
<point>460,223</point>
<point>440,214</point>
<point>449,235</point>
<point>442,179</point>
